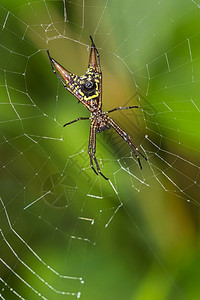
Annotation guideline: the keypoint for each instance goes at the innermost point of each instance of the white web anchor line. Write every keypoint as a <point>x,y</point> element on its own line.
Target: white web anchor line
<point>77,294</point>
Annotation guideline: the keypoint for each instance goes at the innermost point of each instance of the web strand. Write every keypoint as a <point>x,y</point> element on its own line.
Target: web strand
<point>49,193</point>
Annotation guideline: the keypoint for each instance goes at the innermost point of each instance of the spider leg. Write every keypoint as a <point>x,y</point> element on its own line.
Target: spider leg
<point>120,108</point>
<point>78,119</point>
<point>127,139</point>
<point>92,151</point>
<point>90,148</point>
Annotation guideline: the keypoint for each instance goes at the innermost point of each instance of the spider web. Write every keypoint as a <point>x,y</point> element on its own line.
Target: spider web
<point>61,225</point>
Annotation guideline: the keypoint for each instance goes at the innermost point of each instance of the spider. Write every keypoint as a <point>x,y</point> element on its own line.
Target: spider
<point>88,90</point>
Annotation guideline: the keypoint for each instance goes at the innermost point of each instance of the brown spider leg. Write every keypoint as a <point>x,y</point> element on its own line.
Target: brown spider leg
<point>120,108</point>
<point>127,138</point>
<point>78,119</point>
<point>94,151</point>
<point>92,147</point>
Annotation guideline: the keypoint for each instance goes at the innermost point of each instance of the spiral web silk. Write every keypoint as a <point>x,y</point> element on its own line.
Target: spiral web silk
<point>46,182</point>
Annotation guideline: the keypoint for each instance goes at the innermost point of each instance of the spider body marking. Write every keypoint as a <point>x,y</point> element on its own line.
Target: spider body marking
<point>88,90</point>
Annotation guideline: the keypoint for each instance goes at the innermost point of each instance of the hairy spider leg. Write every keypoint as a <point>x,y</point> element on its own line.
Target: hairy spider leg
<point>120,108</point>
<point>127,139</point>
<point>78,119</point>
<point>92,150</point>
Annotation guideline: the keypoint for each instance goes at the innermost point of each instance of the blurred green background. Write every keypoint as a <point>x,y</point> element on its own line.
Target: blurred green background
<point>64,231</point>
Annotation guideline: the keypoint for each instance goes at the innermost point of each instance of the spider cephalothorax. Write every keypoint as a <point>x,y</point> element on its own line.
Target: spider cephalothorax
<point>88,90</point>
